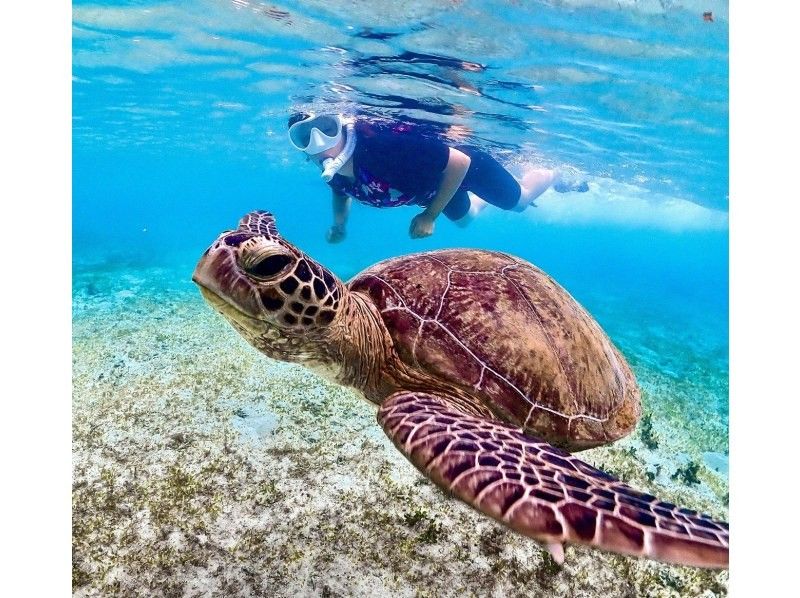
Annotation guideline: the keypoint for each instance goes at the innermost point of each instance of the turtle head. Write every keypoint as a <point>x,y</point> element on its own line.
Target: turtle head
<point>272,293</point>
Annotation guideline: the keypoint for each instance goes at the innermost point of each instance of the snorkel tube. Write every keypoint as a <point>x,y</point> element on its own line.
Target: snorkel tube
<point>330,166</point>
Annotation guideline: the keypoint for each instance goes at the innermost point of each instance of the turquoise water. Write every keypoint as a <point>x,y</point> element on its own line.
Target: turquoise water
<point>179,129</point>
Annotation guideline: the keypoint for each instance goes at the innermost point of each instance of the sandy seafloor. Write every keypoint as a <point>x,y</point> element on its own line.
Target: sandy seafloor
<point>201,468</point>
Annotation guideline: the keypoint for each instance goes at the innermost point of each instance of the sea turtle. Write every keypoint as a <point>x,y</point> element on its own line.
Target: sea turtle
<point>481,365</point>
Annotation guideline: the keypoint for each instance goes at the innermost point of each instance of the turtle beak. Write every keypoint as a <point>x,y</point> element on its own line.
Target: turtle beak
<point>223,284</point>
<point>203,275</point>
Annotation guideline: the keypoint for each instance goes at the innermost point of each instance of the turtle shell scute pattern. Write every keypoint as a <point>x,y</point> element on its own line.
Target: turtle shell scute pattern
<point>503,330</point>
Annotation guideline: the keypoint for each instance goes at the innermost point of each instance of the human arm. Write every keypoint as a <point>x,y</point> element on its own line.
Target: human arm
<point>341,208</point>
<point>452,176</point>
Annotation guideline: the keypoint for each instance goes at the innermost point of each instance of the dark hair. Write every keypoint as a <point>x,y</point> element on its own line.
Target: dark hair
<point>296,117</point>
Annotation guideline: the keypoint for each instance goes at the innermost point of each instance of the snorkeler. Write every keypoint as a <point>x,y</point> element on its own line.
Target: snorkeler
<point>388,165</point>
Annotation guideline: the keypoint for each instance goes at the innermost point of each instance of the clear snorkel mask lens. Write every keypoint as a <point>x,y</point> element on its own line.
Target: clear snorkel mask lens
<point>316,134</point>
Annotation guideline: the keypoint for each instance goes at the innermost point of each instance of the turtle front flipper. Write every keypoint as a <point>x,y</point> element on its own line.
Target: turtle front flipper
<point>541,491</point>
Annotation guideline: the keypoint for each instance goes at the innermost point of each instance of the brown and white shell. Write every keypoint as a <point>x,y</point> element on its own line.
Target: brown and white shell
<point>481,362</point>
<point>505,332</point>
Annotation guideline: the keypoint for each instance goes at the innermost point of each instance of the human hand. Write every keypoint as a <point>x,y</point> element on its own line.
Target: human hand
<point>421,226</point>
<point>336,234</point>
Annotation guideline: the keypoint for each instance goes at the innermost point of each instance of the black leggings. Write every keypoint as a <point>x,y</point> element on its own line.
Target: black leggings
<point>487,179</point>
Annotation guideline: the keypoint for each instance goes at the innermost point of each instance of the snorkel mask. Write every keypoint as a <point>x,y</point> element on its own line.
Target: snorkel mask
<point>318,133</point>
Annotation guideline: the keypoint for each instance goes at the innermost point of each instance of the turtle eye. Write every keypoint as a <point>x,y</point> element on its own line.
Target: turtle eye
<point>269,266</point>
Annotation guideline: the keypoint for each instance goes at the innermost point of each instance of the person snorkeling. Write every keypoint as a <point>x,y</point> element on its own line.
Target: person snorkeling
<point>395,164</point>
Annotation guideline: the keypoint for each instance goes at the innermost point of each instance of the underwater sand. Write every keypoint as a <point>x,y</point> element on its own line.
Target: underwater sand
<point>201,468</point>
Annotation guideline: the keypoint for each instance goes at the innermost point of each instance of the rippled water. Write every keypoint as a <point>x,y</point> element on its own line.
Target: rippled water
<point>634,91</point>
